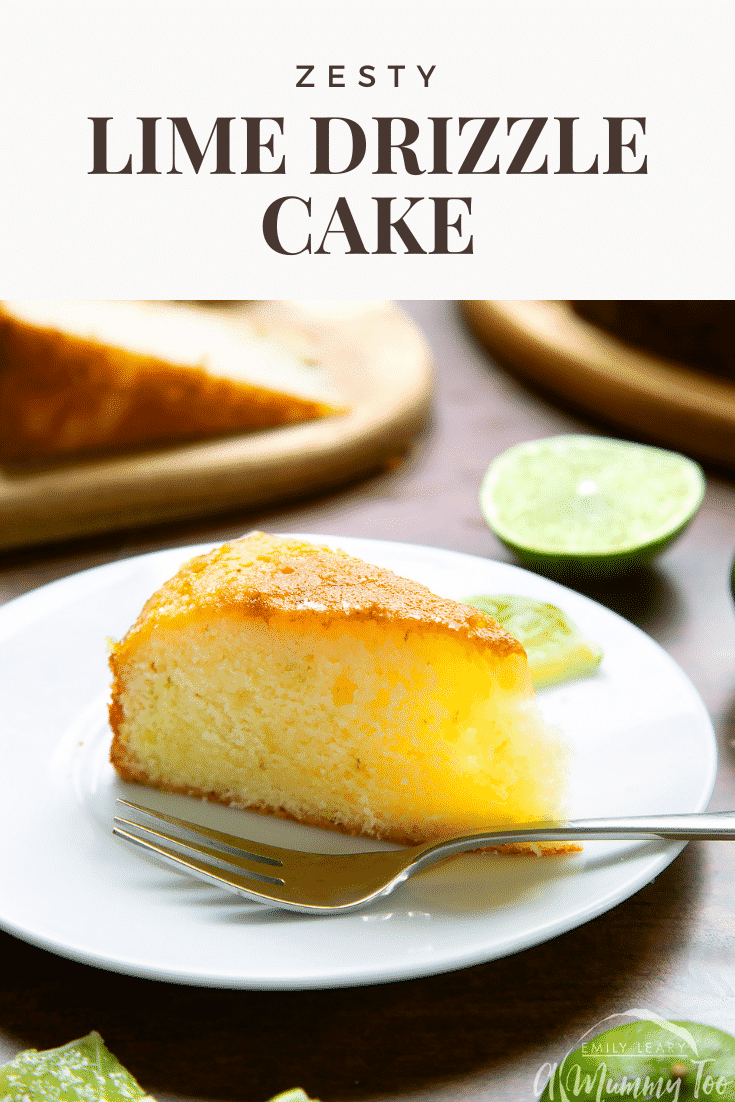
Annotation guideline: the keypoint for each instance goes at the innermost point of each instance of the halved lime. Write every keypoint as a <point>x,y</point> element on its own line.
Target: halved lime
<point>82,1071</point>
<point>664,1059</point>
<point>588,504</point>
<point>556,649</point>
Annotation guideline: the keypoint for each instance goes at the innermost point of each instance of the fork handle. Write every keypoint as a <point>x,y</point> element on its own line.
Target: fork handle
<point>715,826</point>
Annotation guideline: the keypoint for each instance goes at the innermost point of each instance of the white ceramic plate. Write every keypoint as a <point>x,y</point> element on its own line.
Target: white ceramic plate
<point>642,741</point>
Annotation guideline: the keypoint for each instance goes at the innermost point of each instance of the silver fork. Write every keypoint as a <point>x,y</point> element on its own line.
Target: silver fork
<point>325,883</point>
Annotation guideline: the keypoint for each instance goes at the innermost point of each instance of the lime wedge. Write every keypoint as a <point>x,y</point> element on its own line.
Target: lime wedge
<point>556,649</point>
<point>586,504</point>
<point>82,1071</point>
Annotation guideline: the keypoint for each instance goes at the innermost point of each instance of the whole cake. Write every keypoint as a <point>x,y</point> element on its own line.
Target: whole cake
<point>90,376</point>
<point>276,675</point>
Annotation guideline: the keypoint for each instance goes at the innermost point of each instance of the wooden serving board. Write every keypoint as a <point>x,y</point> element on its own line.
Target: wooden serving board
<point>381,366</point>
<point>636,390</point>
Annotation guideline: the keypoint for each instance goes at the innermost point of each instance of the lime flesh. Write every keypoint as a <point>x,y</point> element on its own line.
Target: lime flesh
<point>82,1071</point>
<point>555,647</point>
<point>589,504</point>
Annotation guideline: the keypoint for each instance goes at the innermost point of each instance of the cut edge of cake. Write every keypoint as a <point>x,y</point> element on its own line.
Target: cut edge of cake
<point>93,376</point>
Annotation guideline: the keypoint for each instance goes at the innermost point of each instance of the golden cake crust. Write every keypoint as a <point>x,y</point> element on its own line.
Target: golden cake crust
<point>264,576</point>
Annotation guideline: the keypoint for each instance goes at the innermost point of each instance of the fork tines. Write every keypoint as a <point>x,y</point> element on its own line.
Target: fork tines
<point>201,851</point>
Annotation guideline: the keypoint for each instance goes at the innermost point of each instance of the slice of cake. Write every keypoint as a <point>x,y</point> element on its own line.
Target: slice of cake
<point>287,678</point>
<point>85,376</point>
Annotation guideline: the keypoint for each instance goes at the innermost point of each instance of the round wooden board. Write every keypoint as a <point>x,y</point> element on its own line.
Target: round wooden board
<point>380,364</point>
<point>652,397</point>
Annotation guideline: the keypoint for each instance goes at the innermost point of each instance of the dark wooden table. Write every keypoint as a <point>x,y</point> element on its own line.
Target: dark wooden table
<point>481,1033</point>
